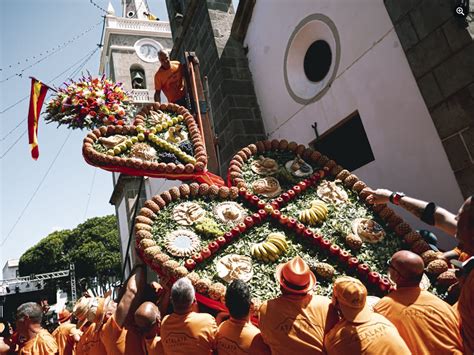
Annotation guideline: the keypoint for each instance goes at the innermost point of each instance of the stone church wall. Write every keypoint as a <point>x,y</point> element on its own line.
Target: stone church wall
<point>440,51</point>
<point>205,28</point>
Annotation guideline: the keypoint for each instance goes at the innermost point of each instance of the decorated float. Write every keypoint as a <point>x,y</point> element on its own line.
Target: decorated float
<point>282,199</point>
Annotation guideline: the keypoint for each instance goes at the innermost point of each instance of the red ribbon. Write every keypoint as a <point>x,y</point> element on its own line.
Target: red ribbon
<point>201,177</point>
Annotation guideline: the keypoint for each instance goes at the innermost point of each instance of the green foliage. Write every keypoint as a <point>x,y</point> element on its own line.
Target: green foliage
<point>93,247</point>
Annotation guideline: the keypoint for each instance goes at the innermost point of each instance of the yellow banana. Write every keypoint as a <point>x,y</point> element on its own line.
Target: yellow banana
<point>314,216</point>
<point>262,250</point>
<point>273,251</point>
<point>319,212</point>
<point>279,239</point>
<point>256,251</point>
<point>279,244</point>
<point>320,204</point>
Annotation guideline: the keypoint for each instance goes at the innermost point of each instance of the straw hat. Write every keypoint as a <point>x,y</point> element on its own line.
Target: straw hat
<point>102,306</point>
<point>295,276</point>
<point>82,306</point>
<point>351,295</point>
<point>64,316</point>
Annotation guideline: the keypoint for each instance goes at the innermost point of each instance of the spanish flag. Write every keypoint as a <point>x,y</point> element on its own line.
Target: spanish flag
<point>38,93</point>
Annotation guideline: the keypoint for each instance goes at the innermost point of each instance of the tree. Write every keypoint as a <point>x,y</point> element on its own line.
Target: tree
<point>93,247</point>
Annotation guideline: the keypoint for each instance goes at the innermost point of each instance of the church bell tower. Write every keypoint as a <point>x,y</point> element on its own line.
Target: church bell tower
<point>131,45</point>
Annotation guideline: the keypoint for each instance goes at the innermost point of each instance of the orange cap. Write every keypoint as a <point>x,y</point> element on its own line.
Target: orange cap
<point>351,295</point>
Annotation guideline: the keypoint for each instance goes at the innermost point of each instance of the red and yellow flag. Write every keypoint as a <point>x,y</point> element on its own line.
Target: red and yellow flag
<point>38,93</point>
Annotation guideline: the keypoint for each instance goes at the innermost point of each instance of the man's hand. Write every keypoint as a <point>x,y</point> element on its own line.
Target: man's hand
<point>378,196</point>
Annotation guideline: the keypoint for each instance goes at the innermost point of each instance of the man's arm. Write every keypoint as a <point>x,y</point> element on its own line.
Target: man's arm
<point>132,295</point>
<point>443,219</point>
<point>157,96</point>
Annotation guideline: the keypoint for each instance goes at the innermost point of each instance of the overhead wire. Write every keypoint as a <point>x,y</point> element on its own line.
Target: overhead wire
<point>80,67</point>
<point>20,73</point>
<point>99,7</point>
<point>90,194</point>
<point>36,190</point>
<point>57,76</point>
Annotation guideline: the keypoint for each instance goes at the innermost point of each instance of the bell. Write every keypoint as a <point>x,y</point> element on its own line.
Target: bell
<point>138,77</point>
<point>137,80</point>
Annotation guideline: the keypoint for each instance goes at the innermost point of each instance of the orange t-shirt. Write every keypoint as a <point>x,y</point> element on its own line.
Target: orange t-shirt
<point>63,336</point>
<point>43,343</point>
<point>120,340</point>
<point>154,346</point>
<point>191,333</point>
<point>238,337</point>
<point>296,324</point>
<point>378,336</point>
<point>171,81</point>
<point>465,307</point>
<point>90,343</point>
<point>426,323</point>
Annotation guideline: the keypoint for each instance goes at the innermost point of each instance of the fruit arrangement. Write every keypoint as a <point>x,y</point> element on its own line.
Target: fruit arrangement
<point>317,213</point>
<point>259,232</point>
<point>271,249</point>
<point>164,140</point>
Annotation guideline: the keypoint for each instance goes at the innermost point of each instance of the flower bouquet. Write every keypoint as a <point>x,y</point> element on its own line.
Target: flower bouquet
<point>89,103</point>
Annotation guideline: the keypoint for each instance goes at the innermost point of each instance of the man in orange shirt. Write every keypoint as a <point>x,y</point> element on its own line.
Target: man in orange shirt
<point>426,323</point>
<point>297,321</point>
<point>118,334</point>
<point>185,331</point>
<point>89,311</point>
<point>237,336</point>
<point>465,305</point>
<point>64,334</point>
<point>148,320</point>
<point>28,324</point>
<point>360,331</point>
<point>460,225</point>
<point>169,78</point>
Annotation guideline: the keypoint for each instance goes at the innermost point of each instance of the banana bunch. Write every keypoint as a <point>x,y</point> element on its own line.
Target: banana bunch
<point>318,212</point>
<point>270,249</point>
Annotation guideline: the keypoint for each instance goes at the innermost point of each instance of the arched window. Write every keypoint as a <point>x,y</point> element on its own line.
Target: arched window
<point>137,76</point>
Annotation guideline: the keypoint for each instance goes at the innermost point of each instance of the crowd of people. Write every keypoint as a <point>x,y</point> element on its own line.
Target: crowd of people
<point>152,319</point>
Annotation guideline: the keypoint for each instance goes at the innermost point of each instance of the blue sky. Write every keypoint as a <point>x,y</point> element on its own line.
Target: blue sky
<point>28,28</point>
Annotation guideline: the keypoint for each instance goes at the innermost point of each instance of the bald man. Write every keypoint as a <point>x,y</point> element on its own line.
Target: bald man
<point>426,323</point>
<point>148,320</point>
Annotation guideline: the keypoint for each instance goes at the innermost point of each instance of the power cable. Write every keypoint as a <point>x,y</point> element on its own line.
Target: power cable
<point>90,194</point>
<point>46,52</point>
<point>75,72</point>
<point>53,79</point>
<point>36,190</point>
<point>14,143</point>
<point>20,74</point>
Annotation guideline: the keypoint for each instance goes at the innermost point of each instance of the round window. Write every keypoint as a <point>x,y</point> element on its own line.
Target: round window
<point>317,61</point>
<point>311,58</point>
